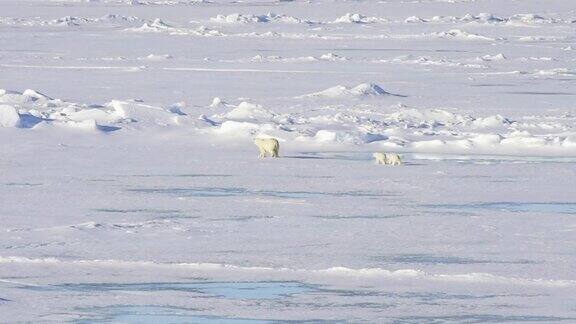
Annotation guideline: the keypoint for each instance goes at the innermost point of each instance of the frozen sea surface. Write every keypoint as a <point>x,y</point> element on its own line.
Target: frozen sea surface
<point>131,190</point>
<point>433,240</point>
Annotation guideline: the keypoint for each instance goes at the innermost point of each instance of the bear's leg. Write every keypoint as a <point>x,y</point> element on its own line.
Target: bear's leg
<point>275,152</point>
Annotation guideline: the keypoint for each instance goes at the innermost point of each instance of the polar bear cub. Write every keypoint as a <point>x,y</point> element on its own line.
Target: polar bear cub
<point>267,146</point>
<point>393,159</point>
<point>390,158</point>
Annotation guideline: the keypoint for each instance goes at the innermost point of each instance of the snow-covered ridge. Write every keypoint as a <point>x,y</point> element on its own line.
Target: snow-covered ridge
<point>488,18</point>
<point>361,90</point>
<point>236,18</point>
<point>72,21</point>
<point>429,61</point>
<point>138,2</point>
<point>296,273</point>
<point>472,63</point>
<point>356,18</point>
<point>270,17</point>
<point>398,128</point>
<point>328,57</point>
<point>459,35</point>
<point>159,26</point>
<point>163,2</point>
<point>31,109</point>
<point>348,18</point>
<point>477,62</point>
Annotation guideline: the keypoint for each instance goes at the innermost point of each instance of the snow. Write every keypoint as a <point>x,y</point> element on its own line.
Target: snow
<point>237,18</point>
<point>460,35</point>
<point>355,18</point>
<point>248,111</point>
<point>361,90</point>
<point>156,57</point>
<point>132,190</point>
<point>9,116</point>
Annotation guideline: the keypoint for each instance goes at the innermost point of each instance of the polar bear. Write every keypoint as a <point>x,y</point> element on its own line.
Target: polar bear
<point>380,158</point>
<point>267,146</point>
<point>393,159</point>
<point>390,158</point>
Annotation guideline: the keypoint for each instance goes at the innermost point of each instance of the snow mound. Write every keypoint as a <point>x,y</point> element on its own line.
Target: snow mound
<point>495,121</point>
<point>27,96</point>
<point>117,18</point>
<point>527,19</point>
<point>217,102</point>
<point>328,57</point>
<point>235,128</point>
<point>368,89</point>
<point>35,95</point>
<point>488,18</point>
<point>355,18</point>
<point>237,18</point>
<point>156,26</point>
<point>426,60</point>
<point>482,18</point>
<point>414,20</point>
<point>86,125</point>
<point>159,26</point>
<point>144,115</point>
<point>240,129</point>
<point>35,108</point>
<point>490,58</point>
<point>9,116</point>
<point>333,57</point>
<point>335,137</point>
<point>155,57</point>
<point>459,35</point>
<point>247,112</point>
<point>248,119</point>
<point>89,114</point>
<point>426,118</point>
<point>557,71</point>
<point>164,2</point>
<point>202,31</point>
<point>69,21</point>
<point>361,90</point>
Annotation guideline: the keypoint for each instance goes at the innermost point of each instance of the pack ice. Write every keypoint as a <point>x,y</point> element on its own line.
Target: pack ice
<point>131,188</point>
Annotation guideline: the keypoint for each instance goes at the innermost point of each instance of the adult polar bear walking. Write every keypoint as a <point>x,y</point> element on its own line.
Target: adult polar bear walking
<point>267,146</point>
<point>390,158</point>
<point>380,158</point>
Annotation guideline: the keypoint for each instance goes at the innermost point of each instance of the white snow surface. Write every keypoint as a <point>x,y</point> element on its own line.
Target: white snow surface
<point>132,192</point>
